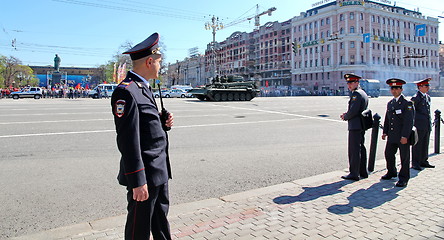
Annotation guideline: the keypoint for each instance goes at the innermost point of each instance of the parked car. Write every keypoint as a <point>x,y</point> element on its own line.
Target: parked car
<point>179,93</point>
<point>29,92</point>
<point>164,93</point>
<point>109,88</point>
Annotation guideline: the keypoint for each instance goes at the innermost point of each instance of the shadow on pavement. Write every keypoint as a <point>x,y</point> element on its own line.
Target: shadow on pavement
<point>312,193</point>
<point>372,197</point>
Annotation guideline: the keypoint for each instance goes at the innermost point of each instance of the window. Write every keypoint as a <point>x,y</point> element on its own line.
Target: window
<point>341,31</point>
<point>352,16</point>
<point>352,29</point>
<point>352,44</point>
<point>327,20</point>
<point>341,17</point>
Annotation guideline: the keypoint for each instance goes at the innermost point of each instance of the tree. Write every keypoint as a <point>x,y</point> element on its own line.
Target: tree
<point>13,73</point>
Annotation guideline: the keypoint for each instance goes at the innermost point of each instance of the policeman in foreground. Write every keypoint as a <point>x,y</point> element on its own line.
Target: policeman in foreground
<point>357,154</point>
<point>398,125</point>
<point>143,144</point>
<point>423,123</point>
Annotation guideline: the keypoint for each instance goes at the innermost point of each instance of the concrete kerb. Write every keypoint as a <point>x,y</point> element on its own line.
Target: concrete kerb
<point>175,210</point>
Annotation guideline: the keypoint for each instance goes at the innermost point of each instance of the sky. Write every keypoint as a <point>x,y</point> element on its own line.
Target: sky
<point>88,33</point>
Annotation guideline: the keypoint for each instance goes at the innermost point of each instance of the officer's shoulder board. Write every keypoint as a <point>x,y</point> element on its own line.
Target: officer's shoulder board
<point>125,83</point>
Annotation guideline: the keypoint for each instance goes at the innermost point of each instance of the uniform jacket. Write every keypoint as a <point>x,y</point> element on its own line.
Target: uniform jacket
<point>140,138</point>
<point>399,119</point>
<point>356,105</point>
<point>422,111</point>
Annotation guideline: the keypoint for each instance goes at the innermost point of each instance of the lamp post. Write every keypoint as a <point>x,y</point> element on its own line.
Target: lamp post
<point>215,25</point>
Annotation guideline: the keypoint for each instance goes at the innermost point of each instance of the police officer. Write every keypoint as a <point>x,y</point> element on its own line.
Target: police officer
<point>357,154</point>
<point>423,124</point>
<point>398,125</point>
<point>143,144</point>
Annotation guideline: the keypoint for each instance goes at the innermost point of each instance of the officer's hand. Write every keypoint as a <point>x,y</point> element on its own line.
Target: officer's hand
<point>170,121</point>
<point>140,193</point>
<point>384,136</point>
<point>403,140</point>
<point>342,116</point>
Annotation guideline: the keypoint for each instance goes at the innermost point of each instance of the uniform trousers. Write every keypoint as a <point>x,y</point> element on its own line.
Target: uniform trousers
<point>149,215</point>
<point>404,151</point>
<point>420,152</point>
<point>357,154</point>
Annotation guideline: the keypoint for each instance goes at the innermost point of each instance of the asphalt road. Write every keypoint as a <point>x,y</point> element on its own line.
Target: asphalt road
<point>59,160</point>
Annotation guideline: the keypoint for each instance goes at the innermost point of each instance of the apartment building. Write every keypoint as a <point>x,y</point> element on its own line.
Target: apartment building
<point>371,39</point>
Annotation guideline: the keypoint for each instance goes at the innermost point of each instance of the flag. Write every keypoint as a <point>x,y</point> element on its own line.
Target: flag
<point>114,72</point>
<point>366,37</point>
<point>420,30</point>
<point>78,86</point>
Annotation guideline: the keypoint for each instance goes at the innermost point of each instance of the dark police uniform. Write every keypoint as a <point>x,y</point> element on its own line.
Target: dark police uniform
<point>423,123</point>
<point>398,123</point>
<point>357,154</point>
<point>143,145</point>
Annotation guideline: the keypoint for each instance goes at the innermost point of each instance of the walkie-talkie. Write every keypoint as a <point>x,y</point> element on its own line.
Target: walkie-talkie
<point>165,114</point>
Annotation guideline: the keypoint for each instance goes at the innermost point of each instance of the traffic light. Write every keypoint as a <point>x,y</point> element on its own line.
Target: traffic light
<point>294,46</point>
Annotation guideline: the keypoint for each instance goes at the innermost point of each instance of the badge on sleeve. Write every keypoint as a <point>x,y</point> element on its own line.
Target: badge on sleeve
<point>120,108</point>
<point>410,108</point>
<point>354,98</point>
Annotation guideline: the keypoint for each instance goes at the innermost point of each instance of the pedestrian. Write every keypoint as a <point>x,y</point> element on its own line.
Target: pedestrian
<point>143,144</point>
<point>423,123</point>
<point>398,125</point>
<point>357,154</point>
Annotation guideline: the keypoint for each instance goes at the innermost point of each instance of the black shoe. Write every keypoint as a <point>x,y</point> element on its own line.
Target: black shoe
<point>364,177</point>
<point>388,176</point>
<point>417,168</point>
<point>427,165</point>
<point>349,177</point>
<point>401,184</point>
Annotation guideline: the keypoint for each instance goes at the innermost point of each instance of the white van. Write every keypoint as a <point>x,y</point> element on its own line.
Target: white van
<point>109,88</point>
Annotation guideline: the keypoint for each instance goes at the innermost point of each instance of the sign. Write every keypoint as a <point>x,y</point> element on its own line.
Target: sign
<point>310,43</point>
<point>350,3</point>
<point>420,30</point>
<point>384,1</point>
<point>366,37</point>
<point>321,2</point>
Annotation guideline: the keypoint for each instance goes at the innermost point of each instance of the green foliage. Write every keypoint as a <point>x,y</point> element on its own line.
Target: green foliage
<point>13,73</point>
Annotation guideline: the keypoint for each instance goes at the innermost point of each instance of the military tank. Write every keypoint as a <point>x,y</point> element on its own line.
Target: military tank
<point>231,88</point>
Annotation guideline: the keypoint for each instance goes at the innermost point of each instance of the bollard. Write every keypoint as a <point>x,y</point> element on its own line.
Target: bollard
<point>374,142</point>
<point>437,130</point>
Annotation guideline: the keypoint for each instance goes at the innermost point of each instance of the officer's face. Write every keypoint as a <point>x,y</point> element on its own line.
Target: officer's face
<point>424,88</point>
<point>396,91</point>
<point>352,85</point>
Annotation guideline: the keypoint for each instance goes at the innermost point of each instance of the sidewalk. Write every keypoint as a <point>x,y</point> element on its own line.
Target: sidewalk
<point>318,207</point>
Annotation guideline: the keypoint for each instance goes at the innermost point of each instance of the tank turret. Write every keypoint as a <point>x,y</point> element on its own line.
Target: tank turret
<point>231,88</point>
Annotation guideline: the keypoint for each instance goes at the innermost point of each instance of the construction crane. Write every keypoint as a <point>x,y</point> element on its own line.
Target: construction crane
<point>256,17</point>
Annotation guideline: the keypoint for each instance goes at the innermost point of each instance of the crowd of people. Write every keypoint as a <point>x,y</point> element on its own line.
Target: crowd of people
<point>58,91</point>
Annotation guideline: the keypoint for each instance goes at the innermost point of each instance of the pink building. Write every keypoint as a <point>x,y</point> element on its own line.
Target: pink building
<point>374,40</point>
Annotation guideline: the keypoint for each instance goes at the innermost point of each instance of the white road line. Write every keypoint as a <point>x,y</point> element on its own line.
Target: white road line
<point>282,113</point>
<point>56,133</point>
<point>176,127</point>
<point>58,121</point>
<point>49,114</point>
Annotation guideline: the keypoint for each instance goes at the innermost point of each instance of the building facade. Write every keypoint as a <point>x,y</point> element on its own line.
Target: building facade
<point>374,40</point>
<point>313,51</point>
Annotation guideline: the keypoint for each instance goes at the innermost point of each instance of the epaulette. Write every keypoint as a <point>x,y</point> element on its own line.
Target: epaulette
<point>125,83</point>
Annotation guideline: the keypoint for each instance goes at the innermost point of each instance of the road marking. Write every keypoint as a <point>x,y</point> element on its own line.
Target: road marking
<point>56,133</point>
<point>58,121</point>
<point>48,114</point>
<point>176,127</point>
<point>282,113</point>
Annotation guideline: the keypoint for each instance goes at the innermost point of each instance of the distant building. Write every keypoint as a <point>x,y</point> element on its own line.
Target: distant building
<point>314,50</point>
